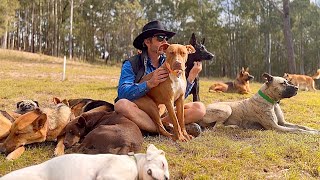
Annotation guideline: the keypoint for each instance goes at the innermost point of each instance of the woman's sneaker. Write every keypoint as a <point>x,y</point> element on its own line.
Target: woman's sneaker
<point>193,129</point>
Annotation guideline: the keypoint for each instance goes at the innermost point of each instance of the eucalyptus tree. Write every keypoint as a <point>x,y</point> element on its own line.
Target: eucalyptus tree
<point>7,19</point>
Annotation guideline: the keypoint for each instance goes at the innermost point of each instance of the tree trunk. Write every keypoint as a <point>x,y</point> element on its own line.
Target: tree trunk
<point>32,29</point>
<point>71,26</point>
<point>288,37</point>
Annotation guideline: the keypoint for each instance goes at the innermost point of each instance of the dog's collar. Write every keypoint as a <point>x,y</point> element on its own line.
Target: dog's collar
<point>267,98</point>
<point>132,156</point>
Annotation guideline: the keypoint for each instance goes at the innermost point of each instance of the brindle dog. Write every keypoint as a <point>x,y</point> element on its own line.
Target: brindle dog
<point>201,54</point>
<point>262,111</point>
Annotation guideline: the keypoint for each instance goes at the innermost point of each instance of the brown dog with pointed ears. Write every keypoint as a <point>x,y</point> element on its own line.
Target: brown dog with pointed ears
<point>170,92</point>
<point>37,126</point>
<point>239,85</point>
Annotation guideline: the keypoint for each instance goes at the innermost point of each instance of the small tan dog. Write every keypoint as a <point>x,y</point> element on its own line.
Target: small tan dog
<point>37,126</point>
<point>303,82</point>
<point>170,92</point>
<point>240,85</point>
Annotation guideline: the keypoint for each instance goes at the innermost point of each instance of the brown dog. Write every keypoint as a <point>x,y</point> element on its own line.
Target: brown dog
<point>37,126</point>
<point>240,85</point>
<point>104,132</point>
<point>81,105</point>
<point>5,124</point>
<point>303,82</point>
<point>169,92</point>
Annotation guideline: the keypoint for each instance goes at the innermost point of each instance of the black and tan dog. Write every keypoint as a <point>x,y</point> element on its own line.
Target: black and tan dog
<point>103,132</point>
<point>201,54</point>
<point>262,111</point>
<point>81,105</point>
<point>240,85</point>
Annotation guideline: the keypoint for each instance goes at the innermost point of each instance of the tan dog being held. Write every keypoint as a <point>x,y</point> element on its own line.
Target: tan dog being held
<point>240,85</point>
<point>303,82</point>
<point>262,111</point>
<point>170,92</point>
<point>37,126</point>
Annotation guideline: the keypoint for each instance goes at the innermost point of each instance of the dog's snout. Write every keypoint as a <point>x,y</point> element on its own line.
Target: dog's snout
<point>166,178</point>
<point>66,144</point>
<point>211,56</point>
<point>2,148</point>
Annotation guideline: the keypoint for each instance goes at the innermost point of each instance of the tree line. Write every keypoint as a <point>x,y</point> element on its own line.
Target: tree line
<point>274,36</point>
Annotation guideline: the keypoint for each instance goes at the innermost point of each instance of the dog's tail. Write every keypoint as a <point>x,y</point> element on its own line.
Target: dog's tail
<point>317,75</point>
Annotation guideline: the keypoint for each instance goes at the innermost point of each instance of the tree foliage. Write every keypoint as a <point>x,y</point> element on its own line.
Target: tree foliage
<point>242,33</point>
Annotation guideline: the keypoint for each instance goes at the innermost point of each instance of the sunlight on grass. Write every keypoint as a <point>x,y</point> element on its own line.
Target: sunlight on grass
<point>219,153</point>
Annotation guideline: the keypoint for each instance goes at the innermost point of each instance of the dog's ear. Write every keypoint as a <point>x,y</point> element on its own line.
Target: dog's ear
<point>40,122</point>
<point>203,40</point>
<point>241,72</point>
<point>18,104</point>
<point>36,102</point>
<point>190,49</point>
<point>65,102</point>
<point>163,48</point>
<point>81,122</point>
<point>247,69</point>
<point>193,39</point>
<point>268,77</point>
<point>153,151</point>
<point>56,100</point>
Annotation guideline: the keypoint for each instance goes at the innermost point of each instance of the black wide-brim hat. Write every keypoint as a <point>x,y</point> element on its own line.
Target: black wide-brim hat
<point>150,29</point>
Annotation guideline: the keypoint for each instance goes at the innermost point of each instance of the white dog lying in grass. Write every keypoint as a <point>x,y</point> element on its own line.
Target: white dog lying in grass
<point>152,165</point>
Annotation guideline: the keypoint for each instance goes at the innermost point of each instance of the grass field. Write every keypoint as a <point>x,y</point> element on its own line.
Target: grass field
<point>220,153</point>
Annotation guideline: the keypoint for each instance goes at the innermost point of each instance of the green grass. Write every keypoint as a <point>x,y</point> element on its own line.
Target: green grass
<point>220,153</point>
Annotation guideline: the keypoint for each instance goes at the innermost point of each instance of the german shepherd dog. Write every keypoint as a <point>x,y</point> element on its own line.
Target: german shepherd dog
<point>201,54</point>
<point>240,85</point>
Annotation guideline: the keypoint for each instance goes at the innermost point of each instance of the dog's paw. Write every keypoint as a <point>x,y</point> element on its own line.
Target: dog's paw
<point>58,151</point>
<point>15,154</point>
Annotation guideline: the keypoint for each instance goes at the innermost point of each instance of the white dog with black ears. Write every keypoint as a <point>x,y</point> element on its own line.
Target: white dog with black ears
<point>149,166</point>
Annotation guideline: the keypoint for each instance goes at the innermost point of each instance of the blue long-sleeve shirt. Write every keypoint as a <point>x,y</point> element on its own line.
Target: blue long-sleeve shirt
<point>130,90</point>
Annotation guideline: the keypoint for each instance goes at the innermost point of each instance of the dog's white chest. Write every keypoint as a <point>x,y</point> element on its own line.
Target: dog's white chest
<point>179,85</point>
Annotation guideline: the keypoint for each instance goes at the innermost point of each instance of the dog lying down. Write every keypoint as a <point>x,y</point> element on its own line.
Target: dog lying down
<point>37,126</point>
<point>152,165</point>
<point>103,132</point>
<point>262,111</point>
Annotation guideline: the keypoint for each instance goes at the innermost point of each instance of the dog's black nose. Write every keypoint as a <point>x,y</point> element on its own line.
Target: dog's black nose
<point>2,148</point>
<point>211,56</point>
<point>166,178</point>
